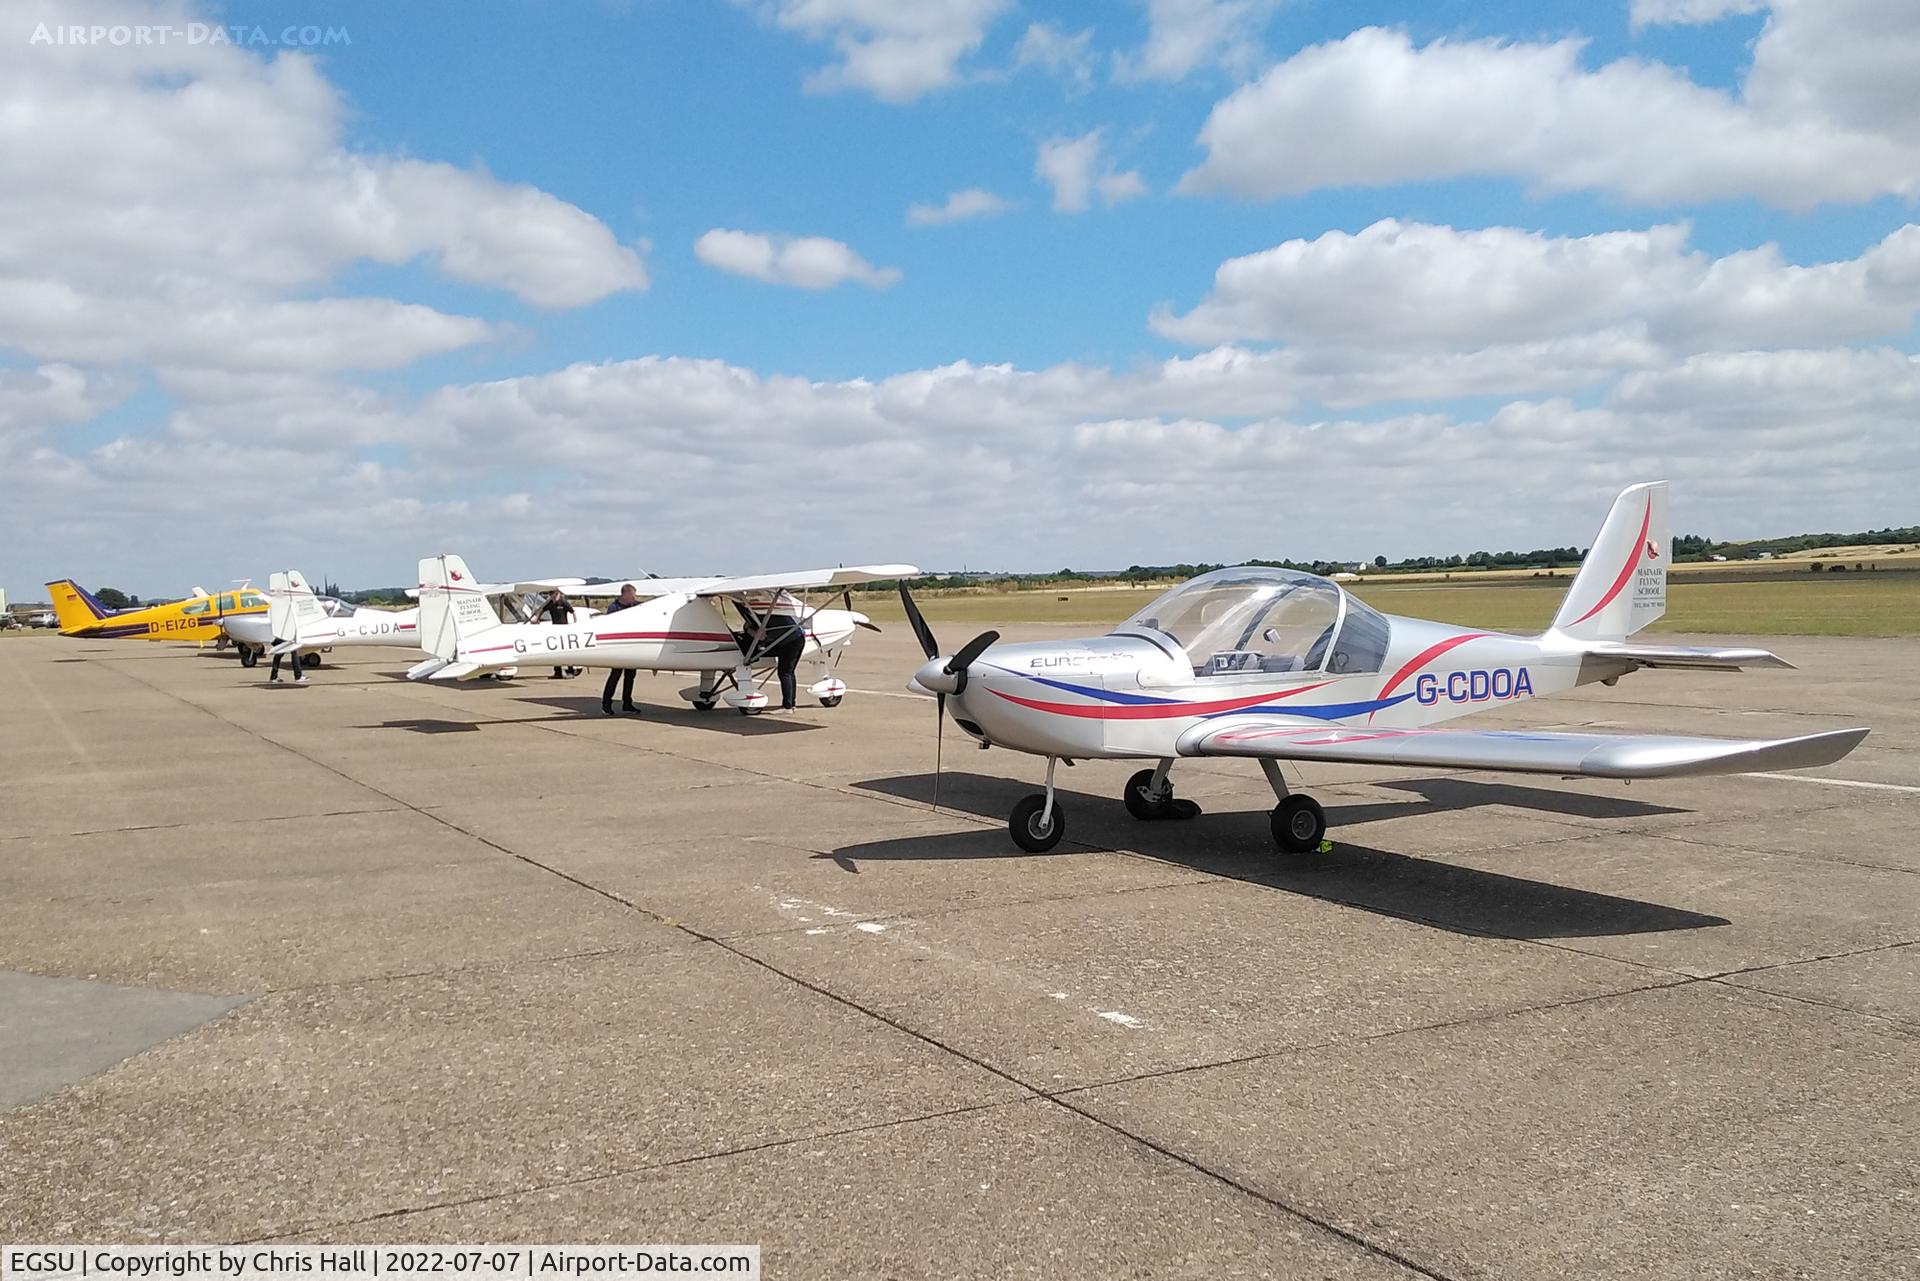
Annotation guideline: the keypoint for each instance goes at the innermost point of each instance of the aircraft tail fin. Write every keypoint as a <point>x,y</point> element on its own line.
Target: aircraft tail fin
<point>453,609</point>
<point>292,606</point>
<point>74,606</point>
<point>1622,585</point>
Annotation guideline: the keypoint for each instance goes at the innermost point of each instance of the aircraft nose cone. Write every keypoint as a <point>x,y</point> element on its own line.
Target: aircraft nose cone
<point>934,677</point>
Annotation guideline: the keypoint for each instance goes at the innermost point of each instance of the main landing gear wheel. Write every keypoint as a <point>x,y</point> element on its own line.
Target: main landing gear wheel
<point>832,700</point>
<point>249,656</point>
<point>1299,824</point>
<point>1026,828</point>
<point>309,660</point>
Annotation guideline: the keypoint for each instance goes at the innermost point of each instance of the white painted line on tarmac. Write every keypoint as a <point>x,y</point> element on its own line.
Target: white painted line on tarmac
<point>1839,782</point>
<point>887,693</point>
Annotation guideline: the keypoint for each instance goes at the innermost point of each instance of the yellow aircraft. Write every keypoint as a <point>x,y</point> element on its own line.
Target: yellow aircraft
<point>197,618</point>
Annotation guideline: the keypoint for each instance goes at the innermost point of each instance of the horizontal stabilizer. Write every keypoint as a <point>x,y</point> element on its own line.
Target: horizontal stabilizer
<point>457,671</point>
<point>420,671</point>
<point>1727,658</point>
<point>1519,751</point>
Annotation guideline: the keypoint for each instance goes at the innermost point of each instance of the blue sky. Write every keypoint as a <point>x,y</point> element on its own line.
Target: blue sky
<point>1448,279</point>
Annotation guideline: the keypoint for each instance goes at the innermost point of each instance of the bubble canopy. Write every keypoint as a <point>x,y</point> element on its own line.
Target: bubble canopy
<point>1252,619</point>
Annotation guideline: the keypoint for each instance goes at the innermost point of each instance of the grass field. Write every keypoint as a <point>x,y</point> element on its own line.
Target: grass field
<point>1886,604</point>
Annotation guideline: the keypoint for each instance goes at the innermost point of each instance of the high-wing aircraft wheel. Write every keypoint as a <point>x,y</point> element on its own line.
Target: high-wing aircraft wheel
<point>310,660</point>
<point>832,700</point>
<point>1141,803</point>
<point>704,705</point>
<point>749,711</point>
<point>1299,824</point>
<point>1028,834</point>
<point>249,656</point>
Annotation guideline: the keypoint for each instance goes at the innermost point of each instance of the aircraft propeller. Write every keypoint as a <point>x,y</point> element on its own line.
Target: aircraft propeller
<point>860,620</point>
<point>956,667</point>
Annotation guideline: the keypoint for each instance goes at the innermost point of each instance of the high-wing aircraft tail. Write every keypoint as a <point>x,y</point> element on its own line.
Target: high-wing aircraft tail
<point>453,608</point>
<point>1622,585</point>
<point>74,607</point>
<point>291,607</point>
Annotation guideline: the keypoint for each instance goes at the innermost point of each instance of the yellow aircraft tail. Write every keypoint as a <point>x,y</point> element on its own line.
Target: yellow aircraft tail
<point>75,606</point>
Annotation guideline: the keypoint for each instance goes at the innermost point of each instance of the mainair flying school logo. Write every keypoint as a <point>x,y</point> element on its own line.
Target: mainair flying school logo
<point>1650,581</point>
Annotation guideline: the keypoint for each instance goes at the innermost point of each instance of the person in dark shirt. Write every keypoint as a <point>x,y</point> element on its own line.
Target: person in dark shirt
<point>620,675</point>
<point>559,612</point>
<point>784,641</point>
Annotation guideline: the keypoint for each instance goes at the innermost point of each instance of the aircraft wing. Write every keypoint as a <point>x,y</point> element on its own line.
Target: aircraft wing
<point>748,585</point>
<point>568,585</point>
<point>1521,751</point>
<point>646,588</point>
<point>803,579</point>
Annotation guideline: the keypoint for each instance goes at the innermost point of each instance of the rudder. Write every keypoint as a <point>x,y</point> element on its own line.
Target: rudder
<point>453,609</point>
<point>1622,585</point>
<point>292,606</point>
<point>74,607</point>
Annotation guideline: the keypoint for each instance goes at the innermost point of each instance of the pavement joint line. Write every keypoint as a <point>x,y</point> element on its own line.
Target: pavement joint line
<point>627,1172</point>
<point>1797,856</point>
<point>478,967</point>
<point>1814,960</point>
<point>1907,1027</point>
<point>214,822</point>
<point>1338,1043</point>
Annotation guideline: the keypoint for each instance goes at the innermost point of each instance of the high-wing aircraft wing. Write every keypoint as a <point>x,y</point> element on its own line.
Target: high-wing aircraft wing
<point>801,580</point>
<point>644,587</point>
<point>568,585</point>
<point>751,584</point>
<point>1522,751</point>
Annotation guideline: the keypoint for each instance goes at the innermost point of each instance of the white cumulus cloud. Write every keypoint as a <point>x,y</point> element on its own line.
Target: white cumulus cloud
<point>1186,35</point>
<point>974,202</point>
<point>1826,114</point>
<point>1418,286</point>
<point>1076,171</point>
<point>896,50</point>
<point>806,262</point>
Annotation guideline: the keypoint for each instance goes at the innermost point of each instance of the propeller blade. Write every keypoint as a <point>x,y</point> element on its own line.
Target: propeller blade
<point>916,620</point>
<point>846,603</point>
<point>970,651</point>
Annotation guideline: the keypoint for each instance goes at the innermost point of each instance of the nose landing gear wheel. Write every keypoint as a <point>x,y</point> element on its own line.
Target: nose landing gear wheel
<point>249,656</point>
<point>1141,803</point>
<point>309,660</point>
<point>702,704</point>
<point>1299,824</point>
<point>1025,825</point>
<point>831,700</point>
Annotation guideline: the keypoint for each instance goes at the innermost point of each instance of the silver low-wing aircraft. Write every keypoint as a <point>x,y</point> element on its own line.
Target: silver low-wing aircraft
<point>1283,666</point>
<point>678,625</point>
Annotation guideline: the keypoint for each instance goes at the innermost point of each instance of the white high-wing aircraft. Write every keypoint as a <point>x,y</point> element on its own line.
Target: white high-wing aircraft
<point>677,626</point>
<point>1284,666</point>
<point>300,622</point>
